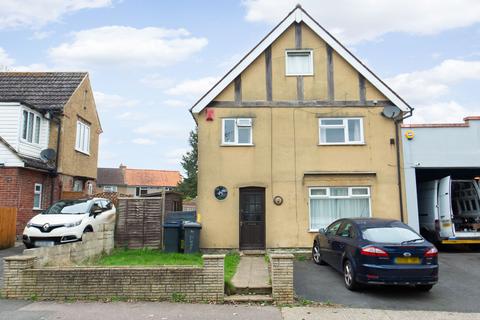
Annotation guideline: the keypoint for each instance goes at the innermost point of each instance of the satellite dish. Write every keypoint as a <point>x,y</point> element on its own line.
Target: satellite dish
<point>391,112</point>
<point>48,155</point>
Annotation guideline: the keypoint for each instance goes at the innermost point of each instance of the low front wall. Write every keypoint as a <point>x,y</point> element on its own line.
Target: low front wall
<point>190,283</point>
<point>93,244</point>
<point>281,273</point>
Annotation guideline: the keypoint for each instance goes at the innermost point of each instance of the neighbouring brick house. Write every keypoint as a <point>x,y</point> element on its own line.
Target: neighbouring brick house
<point>40,111</point>
<point>136,182</point>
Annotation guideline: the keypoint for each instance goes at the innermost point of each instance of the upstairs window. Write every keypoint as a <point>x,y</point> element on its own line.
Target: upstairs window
<point>341,131</point>
<point>82,143</point>
<point>31,127</point>
<point>237,131</point>
<point>109,188</point>
<point>299,62</point>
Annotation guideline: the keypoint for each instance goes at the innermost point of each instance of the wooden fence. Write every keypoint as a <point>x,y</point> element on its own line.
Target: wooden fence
<point>139,223</point>
<point>8,221</point>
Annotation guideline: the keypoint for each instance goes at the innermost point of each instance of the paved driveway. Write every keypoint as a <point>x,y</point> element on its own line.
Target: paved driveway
<point>458,288</point>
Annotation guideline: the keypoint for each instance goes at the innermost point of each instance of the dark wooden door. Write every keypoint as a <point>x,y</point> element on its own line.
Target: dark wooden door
<point>252,218</point>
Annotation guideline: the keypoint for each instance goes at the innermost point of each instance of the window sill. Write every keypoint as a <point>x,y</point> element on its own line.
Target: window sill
<point>300,75</point>
<point>82,152</point>
<point>237,145</point>
<point>312,231</point>
<point>37,209</point>
<point>33,144</point>
<point>342,144</point>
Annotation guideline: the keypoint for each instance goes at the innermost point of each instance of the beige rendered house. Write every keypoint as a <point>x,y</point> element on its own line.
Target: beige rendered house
<point>298,134</point>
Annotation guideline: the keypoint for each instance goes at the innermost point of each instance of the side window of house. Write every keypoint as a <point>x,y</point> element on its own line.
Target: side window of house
<point>341,131</point>
<point>299,62</point>
<point>78,185</point>
<point>237,131</point>
<point>328,204</point>
<point>37,196</point>
<point>109,188</point>
<point>31,125</point>
<point>82,142</point>
<point>141,191</point>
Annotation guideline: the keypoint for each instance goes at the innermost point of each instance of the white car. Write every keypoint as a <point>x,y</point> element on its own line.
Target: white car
<point>67,221</point>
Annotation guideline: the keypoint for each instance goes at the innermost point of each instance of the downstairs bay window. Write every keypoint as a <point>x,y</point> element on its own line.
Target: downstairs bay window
<point>328,204</point>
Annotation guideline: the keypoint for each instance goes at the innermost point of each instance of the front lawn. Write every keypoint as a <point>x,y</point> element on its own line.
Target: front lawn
<point>148,257</point>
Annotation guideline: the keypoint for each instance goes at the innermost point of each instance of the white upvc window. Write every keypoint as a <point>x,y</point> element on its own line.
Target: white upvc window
<point>341,131</point>
<point>37,196</point>
<point>327,204</point>
<point>237,131</point>
<point>82,142</point>
<point>109,188</point>
<point>141,191</point>
<point>299,62</point>
<point>31,125</point>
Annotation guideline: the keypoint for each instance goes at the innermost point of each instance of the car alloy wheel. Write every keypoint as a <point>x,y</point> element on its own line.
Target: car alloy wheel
<point>348,274</point>
<point>316,254</point>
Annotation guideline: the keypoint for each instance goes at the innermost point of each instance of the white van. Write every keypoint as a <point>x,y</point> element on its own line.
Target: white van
<point>449,210</point>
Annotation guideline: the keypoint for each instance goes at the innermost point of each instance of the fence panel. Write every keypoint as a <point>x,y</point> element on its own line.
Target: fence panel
<point>8,220</point>
<point>139,223</point>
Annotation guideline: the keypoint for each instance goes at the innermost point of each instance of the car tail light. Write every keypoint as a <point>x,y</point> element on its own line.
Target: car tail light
<point>431,253</point>
<point>373,252</point>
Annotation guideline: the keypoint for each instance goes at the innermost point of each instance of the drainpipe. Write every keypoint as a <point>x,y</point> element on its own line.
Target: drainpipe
<point>399,171</point>
<point>54,172</point>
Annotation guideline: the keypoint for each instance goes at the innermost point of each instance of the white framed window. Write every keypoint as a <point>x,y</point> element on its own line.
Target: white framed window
<point>299,62</point>
<point>109,188</point>
<point>141,191</point>
<point>37,196</point>
<point>341,131</point>
<point>31,125</point>
<point>82,142</point>
<point>237,131</point>
<point>77,185</point>
<point>90,188</point>
<point>327,204</point>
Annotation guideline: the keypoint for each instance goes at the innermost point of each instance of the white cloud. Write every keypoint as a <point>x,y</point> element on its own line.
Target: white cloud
<point>34,13</point>
<point>192,88</point>
<point>40,35</point>
<point>131,116</point>
<point>440,112</point>
<point>112,101</point>
<point>163,130</point>
<point>175,156</point>
<point>175,103</point>
<point>355,21</point>
<point>434,83</point>
<point>122,46</point>
<point>157,80</point>
<point>143,141</point>
<point>5,60</point>
<point>7,63</point>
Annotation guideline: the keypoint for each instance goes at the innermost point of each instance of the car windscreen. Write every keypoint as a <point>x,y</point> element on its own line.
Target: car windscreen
<point>390,234</point>
<point>68,207</point>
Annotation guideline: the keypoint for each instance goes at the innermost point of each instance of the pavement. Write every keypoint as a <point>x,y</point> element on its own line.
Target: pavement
<point>457,291</point>
<point>17,249</point>
<point>23,310</point>
<point>252,272</point>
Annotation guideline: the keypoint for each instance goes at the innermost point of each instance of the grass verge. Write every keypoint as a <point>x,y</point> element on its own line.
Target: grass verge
<point>232,260</point>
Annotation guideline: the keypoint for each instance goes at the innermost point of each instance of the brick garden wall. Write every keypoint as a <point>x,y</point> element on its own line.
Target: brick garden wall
<point>281,273</point>
<point>22,280</point>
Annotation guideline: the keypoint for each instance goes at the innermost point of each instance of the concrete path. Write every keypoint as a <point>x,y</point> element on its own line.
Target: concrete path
<point>252,272</point>
<point>19,310</point>
<point>318,313</point>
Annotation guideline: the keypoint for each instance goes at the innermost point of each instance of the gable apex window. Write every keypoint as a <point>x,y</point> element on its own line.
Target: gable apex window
<point>82,142</point>
<point>340,131</point>
<point>299,62</point>
<point>237,131</point>
<point>31,125</point>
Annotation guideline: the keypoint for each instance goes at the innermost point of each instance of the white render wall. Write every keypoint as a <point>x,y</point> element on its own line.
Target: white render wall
<point>10,131</point>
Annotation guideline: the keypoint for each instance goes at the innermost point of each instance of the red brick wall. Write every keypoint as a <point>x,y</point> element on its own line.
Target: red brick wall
<point>17,190</point>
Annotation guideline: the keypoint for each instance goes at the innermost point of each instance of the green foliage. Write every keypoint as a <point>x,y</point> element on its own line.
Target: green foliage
<point>189,163</point>
<point>232,260</point>
<point>34,297</point>
<point>178,297</point>
<point>148,257</point>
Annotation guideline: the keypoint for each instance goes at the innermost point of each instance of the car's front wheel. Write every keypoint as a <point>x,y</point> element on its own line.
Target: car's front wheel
<point>349,276</point>
<point>317,254</point>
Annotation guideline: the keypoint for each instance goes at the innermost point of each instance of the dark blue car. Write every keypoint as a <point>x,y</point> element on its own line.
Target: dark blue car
<point>377,251</point>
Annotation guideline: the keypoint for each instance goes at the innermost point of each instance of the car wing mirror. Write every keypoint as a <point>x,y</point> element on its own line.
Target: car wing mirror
<point>321,230</point>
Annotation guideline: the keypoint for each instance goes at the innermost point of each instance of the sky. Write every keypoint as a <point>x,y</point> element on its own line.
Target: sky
<point>150,60</point>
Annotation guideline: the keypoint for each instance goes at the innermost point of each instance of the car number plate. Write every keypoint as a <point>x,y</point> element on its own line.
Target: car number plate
<point>407,260</point>
<point>44,243</point>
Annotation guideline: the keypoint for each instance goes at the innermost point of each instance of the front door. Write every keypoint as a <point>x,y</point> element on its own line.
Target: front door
<point>252,218</point>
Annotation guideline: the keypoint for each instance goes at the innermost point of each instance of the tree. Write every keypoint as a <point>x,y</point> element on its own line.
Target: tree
<point>189,163</point>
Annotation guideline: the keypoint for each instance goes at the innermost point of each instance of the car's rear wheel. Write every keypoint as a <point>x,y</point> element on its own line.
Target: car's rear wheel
<point>317,255</point>
<point>424,288</point>
<point>349,276</point>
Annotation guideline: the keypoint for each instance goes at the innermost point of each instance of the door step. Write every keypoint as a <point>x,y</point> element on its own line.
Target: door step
<point>242,298</point>
<point>252,252</point>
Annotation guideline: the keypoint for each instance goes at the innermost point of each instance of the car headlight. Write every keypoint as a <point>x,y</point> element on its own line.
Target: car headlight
<point>73,224</point>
